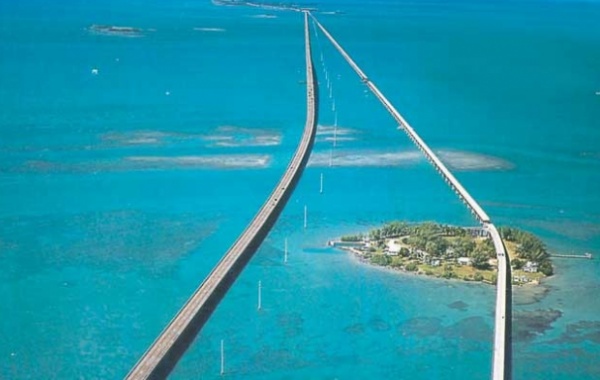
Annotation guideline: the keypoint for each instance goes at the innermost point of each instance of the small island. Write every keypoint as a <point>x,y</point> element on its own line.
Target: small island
<point>450,252</point>
<point>111,30</point>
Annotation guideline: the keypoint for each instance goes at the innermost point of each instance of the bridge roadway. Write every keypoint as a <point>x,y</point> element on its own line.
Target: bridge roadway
<point>502,357</point>
<point>162,356</point>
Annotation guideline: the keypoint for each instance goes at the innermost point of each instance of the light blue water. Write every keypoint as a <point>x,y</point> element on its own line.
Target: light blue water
<point>115,204</point>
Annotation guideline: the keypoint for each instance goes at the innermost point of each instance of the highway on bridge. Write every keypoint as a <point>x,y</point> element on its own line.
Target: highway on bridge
<point>162,356</point>
<point>502,358</point>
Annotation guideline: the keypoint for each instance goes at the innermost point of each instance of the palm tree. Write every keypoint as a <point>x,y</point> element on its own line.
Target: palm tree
<point>538,255</point>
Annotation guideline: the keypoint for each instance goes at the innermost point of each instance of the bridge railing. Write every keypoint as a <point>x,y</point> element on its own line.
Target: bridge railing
<point>165,351</point>
<point>502,358</point>
<point>431,156</point>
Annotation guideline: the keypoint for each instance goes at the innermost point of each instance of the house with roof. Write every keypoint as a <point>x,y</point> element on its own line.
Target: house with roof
<point>530,267</point>
<point>464,261</point>
<point>393,247</point>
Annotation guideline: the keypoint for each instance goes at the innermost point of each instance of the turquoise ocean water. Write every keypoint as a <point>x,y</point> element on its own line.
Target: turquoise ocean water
<point>120,190</point>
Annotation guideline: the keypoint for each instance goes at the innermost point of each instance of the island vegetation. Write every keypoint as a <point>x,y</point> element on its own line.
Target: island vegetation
<point>450,252</point>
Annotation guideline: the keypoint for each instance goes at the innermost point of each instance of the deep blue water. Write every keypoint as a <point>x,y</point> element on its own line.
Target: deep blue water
<point>120,191</point>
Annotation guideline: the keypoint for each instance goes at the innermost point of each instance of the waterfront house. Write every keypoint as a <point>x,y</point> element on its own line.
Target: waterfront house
<point>521,279</point>
<point>464,260</point>
<point>421,255</point>
<point>393,248</point>
<point>530,267</point>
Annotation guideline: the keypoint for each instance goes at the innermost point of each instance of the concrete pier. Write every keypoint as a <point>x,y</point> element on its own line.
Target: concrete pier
<point>584,256</point>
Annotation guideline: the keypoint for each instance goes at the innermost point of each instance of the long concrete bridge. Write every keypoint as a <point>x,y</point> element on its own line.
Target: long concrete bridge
<point>502,357</point>
<point>162,356</point>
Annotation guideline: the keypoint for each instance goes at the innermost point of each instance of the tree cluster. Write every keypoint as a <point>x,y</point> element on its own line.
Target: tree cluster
<point>529,247</point>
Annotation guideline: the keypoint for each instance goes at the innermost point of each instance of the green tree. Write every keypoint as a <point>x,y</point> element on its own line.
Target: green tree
<point>441,245</point>
<point>546,268</point>
<point>518,264</point>
<point>417,242</point>
<point>396,262</point>
<point>375,234</point>
<point>449,274</point>
<point>484,247</point>
<point>463,246</point>
<point>479,260</point>
<point>507,233</point>
<point>382,260</point>
<point>539,255</point>
<point>428,229</point>
<point>395,228</point>
<point>411,267</point>
<point>431,247</point>
<point>352,237</point>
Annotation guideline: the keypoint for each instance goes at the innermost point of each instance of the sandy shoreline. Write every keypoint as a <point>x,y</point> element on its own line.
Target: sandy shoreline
<point>525,294</point>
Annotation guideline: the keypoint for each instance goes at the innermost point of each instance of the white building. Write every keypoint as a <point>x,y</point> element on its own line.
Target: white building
<point>464,260</point>
<point>521,279</point>
<point>393,248</point>
<point>531,267</point>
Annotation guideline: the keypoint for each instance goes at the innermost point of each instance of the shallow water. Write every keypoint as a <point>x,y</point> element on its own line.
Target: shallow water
<point>120,190</point>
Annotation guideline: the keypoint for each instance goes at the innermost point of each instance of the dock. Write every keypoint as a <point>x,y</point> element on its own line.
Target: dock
<point>584,256</point>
